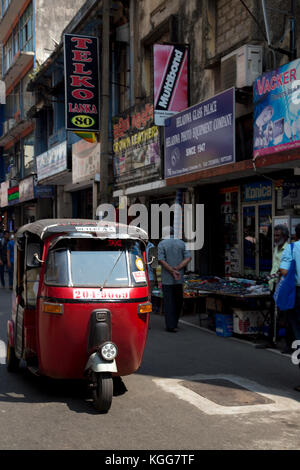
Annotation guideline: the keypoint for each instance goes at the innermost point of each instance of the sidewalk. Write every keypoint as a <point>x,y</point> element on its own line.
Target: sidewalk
<point>257,343</point>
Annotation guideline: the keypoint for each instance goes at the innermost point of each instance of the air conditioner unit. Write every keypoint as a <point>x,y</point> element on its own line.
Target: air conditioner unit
<point>241,67</point>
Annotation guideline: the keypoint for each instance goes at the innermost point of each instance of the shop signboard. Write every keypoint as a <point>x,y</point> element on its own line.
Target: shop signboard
<point>4,193</point>
<point>259,191</point>
<point>136,147</point>
<point>26,189</point>
<point>276,96</point>
<point>170,80</point>
<point>52,162</point>
<point>85,161</point>
<point>82,83</point>
<point>13,195</point>
<point>44,192</point>
<point>290,193</point>
<point>201,137</point>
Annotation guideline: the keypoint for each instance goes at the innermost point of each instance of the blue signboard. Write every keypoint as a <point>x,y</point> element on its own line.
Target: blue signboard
<point>276,97</point>
<point>202,136</point>
<point>254,192</point>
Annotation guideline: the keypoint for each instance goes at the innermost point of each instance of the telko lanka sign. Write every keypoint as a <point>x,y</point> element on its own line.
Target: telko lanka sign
<point>276,97</point>
<point>81,83</point>
<point>202,136</point>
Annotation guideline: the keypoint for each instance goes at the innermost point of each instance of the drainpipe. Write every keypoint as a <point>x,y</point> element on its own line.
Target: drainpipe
<point>104,156</point>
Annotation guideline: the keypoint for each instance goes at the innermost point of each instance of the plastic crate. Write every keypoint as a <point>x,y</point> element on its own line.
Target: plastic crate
<point>224,324</point>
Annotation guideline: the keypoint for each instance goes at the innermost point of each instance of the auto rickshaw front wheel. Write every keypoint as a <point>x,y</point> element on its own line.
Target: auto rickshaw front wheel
<point>102,391</point>
<point>12,362</point>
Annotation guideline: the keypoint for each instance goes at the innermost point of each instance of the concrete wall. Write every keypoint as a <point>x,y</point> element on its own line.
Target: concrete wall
<point>213,28</point>
<point>50,20</point>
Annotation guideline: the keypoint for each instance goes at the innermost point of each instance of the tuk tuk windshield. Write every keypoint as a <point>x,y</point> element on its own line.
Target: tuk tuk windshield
<point>93,262</point>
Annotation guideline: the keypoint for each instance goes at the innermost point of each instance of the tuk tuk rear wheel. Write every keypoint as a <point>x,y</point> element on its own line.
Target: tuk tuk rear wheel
<point>12,362</point>
<point>103,391</point>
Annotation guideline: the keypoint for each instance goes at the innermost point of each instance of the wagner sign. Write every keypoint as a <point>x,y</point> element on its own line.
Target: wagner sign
<point>81,83</point>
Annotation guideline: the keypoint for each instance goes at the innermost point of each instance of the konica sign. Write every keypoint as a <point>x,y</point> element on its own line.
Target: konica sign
<point>255,192</point>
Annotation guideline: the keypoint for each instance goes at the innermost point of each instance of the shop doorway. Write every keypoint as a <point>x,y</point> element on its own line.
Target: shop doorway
<point>257,239</point>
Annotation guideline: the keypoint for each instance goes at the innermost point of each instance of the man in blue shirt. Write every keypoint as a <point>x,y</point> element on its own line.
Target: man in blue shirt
<point>173,257</point>
<point>286,259</point>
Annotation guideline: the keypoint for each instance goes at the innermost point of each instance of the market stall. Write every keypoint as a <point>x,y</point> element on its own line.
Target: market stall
<point>232,305</point>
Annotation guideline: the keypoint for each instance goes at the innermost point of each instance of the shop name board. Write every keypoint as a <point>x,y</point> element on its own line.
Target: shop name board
<point>201,137</point>
<point>13,195</point>
<point>52,162</point>
<point>170,80</point>
<point>82,83</point>
<point>257,192</point>
<point>4,193</point>
<point>26,189</point>
<point>276,106</point>
<point>136,146</point>
<point>85,161</point>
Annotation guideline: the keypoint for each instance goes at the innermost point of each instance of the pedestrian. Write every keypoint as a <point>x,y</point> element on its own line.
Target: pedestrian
<point>10,260</point>
<point>3,256</point>
<point>286,259</point>
<point>173,257</point>
<point>281,236</point>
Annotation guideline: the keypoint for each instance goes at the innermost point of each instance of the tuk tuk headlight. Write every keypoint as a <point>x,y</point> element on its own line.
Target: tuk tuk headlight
<point>108,351</point>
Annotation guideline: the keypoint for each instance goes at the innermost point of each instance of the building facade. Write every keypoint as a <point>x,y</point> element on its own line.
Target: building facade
<point>207,63</point>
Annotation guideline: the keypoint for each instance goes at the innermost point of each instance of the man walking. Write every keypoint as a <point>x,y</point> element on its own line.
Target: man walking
<point>173,257</point>
<point>281,236</point>
<point>286,259</point>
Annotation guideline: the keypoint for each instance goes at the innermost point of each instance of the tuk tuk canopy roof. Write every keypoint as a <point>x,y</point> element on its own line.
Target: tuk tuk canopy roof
<point>104,229</point>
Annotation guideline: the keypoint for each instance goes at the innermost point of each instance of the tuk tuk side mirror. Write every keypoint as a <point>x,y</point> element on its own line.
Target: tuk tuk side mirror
<point>152,257</point>
<point>33,255</point>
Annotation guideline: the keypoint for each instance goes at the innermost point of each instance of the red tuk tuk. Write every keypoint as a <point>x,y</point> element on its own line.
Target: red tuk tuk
<point>80,302</point>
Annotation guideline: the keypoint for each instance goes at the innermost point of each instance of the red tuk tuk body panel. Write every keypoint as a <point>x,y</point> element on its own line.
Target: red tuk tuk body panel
<point>63,337</point>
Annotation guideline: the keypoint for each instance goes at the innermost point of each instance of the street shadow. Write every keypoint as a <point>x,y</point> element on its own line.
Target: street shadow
<point>193,352</point>
<point>25,387</point>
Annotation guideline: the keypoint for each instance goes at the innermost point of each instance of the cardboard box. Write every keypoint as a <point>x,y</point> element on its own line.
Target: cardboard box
<point>248,322</point>
<point>213,304</point>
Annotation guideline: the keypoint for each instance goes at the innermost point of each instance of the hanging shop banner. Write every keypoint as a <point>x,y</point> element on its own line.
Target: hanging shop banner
<point>4,193</point>
<point>85,161</point>
<point>82,83</point>
<point>276,97</point>
<point>26,189</point>
<point>13,195</point>
<point>136,147</point>
<point>202,136</point>
<point>52,162</point>
<point>170,81</point>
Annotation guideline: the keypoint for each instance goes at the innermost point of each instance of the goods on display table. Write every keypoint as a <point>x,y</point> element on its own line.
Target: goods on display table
<point>233,305</point>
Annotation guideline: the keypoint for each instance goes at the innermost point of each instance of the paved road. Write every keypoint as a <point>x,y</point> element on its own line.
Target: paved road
<point>193,391</point>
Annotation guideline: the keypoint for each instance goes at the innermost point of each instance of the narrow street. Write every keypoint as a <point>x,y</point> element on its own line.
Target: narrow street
<point>193,391</point>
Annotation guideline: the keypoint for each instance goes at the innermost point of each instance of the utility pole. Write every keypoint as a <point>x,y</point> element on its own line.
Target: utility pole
<point>104,154</point>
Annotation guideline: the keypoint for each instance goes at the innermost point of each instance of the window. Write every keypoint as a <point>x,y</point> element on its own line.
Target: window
<point>85,262</point>
<point>57,268</point>
<point>26,29</point>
